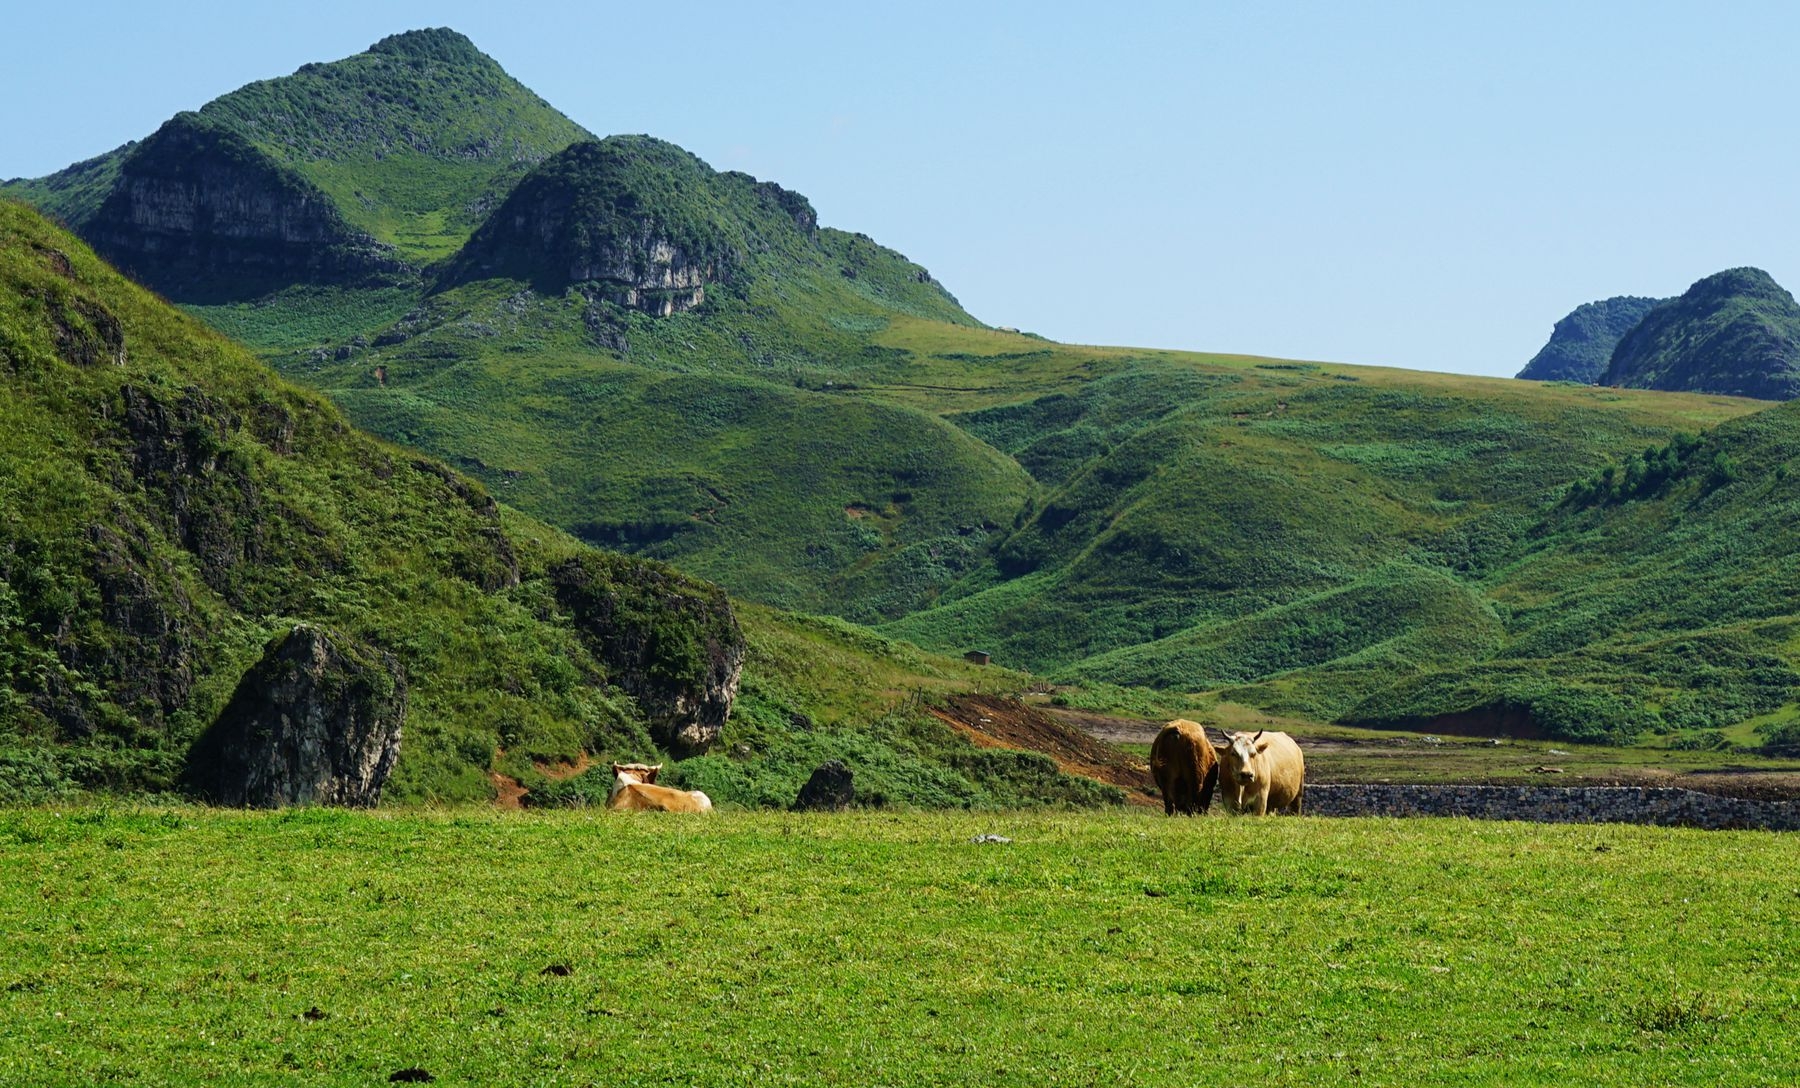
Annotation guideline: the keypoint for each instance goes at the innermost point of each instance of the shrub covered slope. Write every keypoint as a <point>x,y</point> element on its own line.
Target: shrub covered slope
<point>167,507</point>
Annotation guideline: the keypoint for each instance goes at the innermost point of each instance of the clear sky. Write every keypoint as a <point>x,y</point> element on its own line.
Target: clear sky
<point>1424,185</point>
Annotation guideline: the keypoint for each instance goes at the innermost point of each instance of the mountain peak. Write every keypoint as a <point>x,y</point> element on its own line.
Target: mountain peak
<point>434,43</point>
<point>1735,332</point>
<point>1745,282</point>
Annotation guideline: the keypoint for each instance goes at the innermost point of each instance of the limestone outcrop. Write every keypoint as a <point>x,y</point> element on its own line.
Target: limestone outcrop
<point>316,721</point>
<point>670,641</point>
<point>200,214</point>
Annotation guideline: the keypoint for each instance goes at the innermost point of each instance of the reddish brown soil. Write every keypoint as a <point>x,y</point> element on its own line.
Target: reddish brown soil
<point>507,791</point>
<point>510,793</point>
<point>993,722</point>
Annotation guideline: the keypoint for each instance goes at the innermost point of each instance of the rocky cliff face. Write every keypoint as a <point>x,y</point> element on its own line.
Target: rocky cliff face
<point>670,641</point>
<point>1582,343</point>
<point>316,721</point>
<point>1736,333</point>
<point>638,222</point>
<point>201,215</point>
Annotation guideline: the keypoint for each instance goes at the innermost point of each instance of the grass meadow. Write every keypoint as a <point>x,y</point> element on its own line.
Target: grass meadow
<point>187,946</point>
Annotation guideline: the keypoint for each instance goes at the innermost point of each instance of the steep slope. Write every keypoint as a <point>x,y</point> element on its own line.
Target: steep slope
<point>1736,332</point>
<point>169,508</point>
<point>373,164</point>
<point>1581,344</point>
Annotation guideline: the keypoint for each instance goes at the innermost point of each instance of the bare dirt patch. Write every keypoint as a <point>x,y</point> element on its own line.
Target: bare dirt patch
<point>993,722</point>
<point>508,792</point>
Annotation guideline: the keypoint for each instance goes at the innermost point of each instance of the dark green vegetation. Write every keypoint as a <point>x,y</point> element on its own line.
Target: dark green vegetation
<point>179,946</point>
<point>168,507</point>
<point>1581,345</point>
<point>679,363</point>
<point>1736,332</point>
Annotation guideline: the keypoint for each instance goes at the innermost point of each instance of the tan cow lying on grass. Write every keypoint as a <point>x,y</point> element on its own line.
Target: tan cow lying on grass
<point>635,790</point>
<point>1261,771</point>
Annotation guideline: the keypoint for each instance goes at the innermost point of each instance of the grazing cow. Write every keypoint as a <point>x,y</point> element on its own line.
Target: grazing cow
<point>635,790</point>
<point>1262,771</point>
<point>1185,768</point>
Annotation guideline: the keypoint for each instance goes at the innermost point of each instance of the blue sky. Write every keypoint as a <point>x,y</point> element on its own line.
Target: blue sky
<point>1419,185</point>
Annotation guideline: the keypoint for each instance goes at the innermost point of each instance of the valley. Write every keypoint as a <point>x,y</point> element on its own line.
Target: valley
<point>621,348</point>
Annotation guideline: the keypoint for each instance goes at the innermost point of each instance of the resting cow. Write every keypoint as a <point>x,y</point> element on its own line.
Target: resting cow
<point>1185,768</point>
<point>635,790</point>
<point>1262,771</point>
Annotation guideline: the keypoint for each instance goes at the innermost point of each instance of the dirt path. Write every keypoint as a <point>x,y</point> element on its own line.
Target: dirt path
<point>993,722</point>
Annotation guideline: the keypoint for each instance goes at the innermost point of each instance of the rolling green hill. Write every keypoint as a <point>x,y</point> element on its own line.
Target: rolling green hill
<point>1736,332</point>
<point>168,507</point>
<point>1581,344</point>
<point>680,363</point>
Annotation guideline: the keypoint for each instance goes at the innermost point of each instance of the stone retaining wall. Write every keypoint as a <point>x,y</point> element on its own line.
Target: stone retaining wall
<point>1556,804</point>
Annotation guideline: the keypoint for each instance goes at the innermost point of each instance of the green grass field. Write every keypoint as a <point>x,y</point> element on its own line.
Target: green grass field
<point>312,947</point>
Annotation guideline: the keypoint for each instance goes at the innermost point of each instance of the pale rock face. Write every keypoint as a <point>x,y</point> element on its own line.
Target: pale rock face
<point>193,205</point>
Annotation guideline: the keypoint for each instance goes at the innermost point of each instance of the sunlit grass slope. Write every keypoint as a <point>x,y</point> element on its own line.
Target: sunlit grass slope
<point>181,946</point>
<point>169,506</point>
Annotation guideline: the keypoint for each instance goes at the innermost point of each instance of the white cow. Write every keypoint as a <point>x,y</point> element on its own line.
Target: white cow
<point>1261,771</point>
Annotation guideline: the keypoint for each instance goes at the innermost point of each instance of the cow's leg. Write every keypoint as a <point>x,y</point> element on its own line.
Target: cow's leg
<point>1206,788</point>
<point>1262,803</point>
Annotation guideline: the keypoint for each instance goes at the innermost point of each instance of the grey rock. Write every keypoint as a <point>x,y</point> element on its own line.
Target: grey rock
<point>831,787</point>
<point>316,721</point>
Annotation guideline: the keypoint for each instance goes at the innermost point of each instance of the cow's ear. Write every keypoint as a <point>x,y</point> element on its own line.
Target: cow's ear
<point>653,772</point>
<point>1263,747</point>
<point>615,768</point>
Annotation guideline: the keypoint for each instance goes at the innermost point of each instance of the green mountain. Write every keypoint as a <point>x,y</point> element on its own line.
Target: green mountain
<point>1736,332</point>
<point>362,169</point>
<point>680,363</point>
<point>1581,344</point>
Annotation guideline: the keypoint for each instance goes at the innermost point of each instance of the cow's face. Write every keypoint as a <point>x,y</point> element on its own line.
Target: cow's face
<point>1241,751</point>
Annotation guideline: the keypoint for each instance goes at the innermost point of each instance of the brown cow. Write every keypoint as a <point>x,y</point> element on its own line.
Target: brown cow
<point>1262,771</point>
<point>635,790</point>
<point>1185,768</point>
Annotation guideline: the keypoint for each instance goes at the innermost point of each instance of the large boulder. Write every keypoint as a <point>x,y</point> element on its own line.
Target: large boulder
<point>670,641</point>
<point>832,787</point>
<point>316,721</point>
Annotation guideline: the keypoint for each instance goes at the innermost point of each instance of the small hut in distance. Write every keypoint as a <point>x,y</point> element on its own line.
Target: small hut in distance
<point>976,657</point>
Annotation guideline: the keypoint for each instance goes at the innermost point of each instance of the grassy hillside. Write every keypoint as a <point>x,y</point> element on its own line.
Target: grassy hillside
<point>169,507</point>
<point>1115,949</point>
<point>680,363</point>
